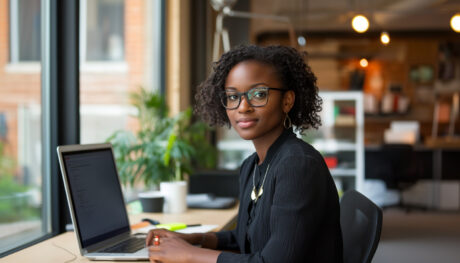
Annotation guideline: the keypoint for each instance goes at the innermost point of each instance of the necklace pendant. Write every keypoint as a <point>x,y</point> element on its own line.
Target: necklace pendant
<point>261,191</point>
<point>253,194</point>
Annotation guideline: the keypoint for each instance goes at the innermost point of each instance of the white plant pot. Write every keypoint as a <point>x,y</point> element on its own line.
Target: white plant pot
<point>175,194</point>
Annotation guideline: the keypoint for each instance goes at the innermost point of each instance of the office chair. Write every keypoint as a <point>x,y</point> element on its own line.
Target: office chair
<point>361,223</point>
<point>216,182</point>
<point>401,163</point>
<point>220,189</point>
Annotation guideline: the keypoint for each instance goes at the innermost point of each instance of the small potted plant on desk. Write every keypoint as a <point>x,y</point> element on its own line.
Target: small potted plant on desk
<point>163,150</point>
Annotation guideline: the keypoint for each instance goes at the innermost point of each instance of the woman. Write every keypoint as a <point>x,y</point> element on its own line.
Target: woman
<point>289,208</point>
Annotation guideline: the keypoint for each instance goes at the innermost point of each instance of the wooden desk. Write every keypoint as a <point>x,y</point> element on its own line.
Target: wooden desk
<point>64,247</point>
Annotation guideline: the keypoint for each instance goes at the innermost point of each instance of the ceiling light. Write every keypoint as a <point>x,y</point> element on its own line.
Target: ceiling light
<point>385,38</point>
<point>455,22</point>
<point>360,23</point>
<point>302,41</point>
<point>363,62</point>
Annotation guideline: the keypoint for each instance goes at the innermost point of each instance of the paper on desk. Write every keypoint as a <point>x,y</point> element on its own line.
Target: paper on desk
<point>198,229</point>
<point>193,229</point>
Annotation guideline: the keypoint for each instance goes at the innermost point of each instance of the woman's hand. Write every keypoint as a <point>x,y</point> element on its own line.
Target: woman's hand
<point>162,233</point>
<point>172,249</point>
<point>178,247</point>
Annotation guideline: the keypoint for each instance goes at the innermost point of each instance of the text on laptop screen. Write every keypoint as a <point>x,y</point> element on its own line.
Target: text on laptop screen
<point>97,198</point>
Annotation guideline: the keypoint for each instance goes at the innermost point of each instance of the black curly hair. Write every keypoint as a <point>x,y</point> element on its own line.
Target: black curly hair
<point>294,74</point>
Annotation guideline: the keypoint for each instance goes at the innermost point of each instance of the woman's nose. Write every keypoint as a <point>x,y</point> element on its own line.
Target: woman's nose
<point>244,105</point>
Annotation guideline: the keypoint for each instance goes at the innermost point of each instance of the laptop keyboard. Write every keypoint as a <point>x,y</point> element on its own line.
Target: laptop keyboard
<point>128,246</point>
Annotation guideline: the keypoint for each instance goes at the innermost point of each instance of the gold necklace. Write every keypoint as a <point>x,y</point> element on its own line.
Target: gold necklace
<point>256,193</point>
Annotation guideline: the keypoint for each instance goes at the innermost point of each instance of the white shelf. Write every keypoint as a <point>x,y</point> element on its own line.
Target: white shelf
<point>333,146</point>
<point>236,145</point>
<point>342,172</point>
<point>346,145</point>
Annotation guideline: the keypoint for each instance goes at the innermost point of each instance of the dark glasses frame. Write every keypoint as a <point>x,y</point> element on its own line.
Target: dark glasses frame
<point>223,96</point>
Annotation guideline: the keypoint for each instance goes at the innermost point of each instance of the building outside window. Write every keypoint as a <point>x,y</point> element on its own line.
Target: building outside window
<point>120,53</point>
<point>23,206</point>
<point>120,49</point>
<point>104,23</point>
<point>25,35</point>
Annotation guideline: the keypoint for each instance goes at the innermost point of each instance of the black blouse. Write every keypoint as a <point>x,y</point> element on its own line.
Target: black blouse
<point>296,219</point>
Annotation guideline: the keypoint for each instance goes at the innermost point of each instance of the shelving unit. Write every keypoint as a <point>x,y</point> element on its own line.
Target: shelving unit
<point>340,139</point>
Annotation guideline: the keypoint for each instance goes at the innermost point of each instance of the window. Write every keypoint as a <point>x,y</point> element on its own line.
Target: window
<point>23,209</point>
<point>103,25</point>
<point>24,22</point>
<point>29,99</point>
<point>134,35</point>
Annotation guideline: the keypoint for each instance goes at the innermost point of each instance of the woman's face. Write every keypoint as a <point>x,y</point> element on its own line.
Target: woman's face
<point>253,123</point>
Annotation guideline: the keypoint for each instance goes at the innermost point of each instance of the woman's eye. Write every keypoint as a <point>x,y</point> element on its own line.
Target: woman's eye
<point>232,97</point>
<point>260,94</point>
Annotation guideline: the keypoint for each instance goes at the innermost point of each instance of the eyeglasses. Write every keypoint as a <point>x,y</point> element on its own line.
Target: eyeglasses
<point>256,97</point>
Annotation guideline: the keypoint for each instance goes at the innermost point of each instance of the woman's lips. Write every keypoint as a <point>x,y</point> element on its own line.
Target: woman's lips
<point>246,123</point>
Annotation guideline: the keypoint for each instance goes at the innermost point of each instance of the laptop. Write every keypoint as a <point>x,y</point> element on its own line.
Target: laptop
<point>97,205</point>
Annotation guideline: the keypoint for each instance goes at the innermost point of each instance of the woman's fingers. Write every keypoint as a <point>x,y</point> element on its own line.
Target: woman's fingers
<point>155,256</point>
<point>154,249</point>
<point>149,237</point>
<point>156,253</point>
<point>155,232</point>
<point>171,249</point>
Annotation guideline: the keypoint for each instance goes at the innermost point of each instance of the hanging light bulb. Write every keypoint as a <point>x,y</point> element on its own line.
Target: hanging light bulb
<point>455,22</point>
<point>302,41</point>
<point>363,62</point>
<point>385,38</point>
<point>360,23</point>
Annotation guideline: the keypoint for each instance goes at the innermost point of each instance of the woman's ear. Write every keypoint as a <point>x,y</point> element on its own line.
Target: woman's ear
<point>288,101</point>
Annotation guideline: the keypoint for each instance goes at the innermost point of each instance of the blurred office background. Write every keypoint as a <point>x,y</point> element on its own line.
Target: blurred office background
<point>390,98</point>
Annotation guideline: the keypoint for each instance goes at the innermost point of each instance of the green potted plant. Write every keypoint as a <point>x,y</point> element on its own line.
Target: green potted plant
<point>163,150</point>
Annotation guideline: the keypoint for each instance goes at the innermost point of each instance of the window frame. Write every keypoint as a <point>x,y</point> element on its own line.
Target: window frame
<point>14,31</point>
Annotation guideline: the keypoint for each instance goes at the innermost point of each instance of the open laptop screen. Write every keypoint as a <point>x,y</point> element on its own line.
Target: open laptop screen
<point>97,199</point>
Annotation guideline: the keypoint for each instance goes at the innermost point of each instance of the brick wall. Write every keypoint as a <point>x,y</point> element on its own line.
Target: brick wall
<point>99,87</point>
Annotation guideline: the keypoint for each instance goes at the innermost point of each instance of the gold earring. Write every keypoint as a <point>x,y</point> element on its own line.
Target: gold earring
<point>289,122</point>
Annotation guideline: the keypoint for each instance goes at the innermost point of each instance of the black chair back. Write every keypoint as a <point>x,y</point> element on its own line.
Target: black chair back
<point>361,222</point>
<point>222,183</point>
<point>401,160</point>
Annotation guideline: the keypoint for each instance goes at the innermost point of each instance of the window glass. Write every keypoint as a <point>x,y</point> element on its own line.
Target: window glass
<point>25,33</point>
<point>21,178</point>
<point>105,87</point>
<point>105,24</point>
